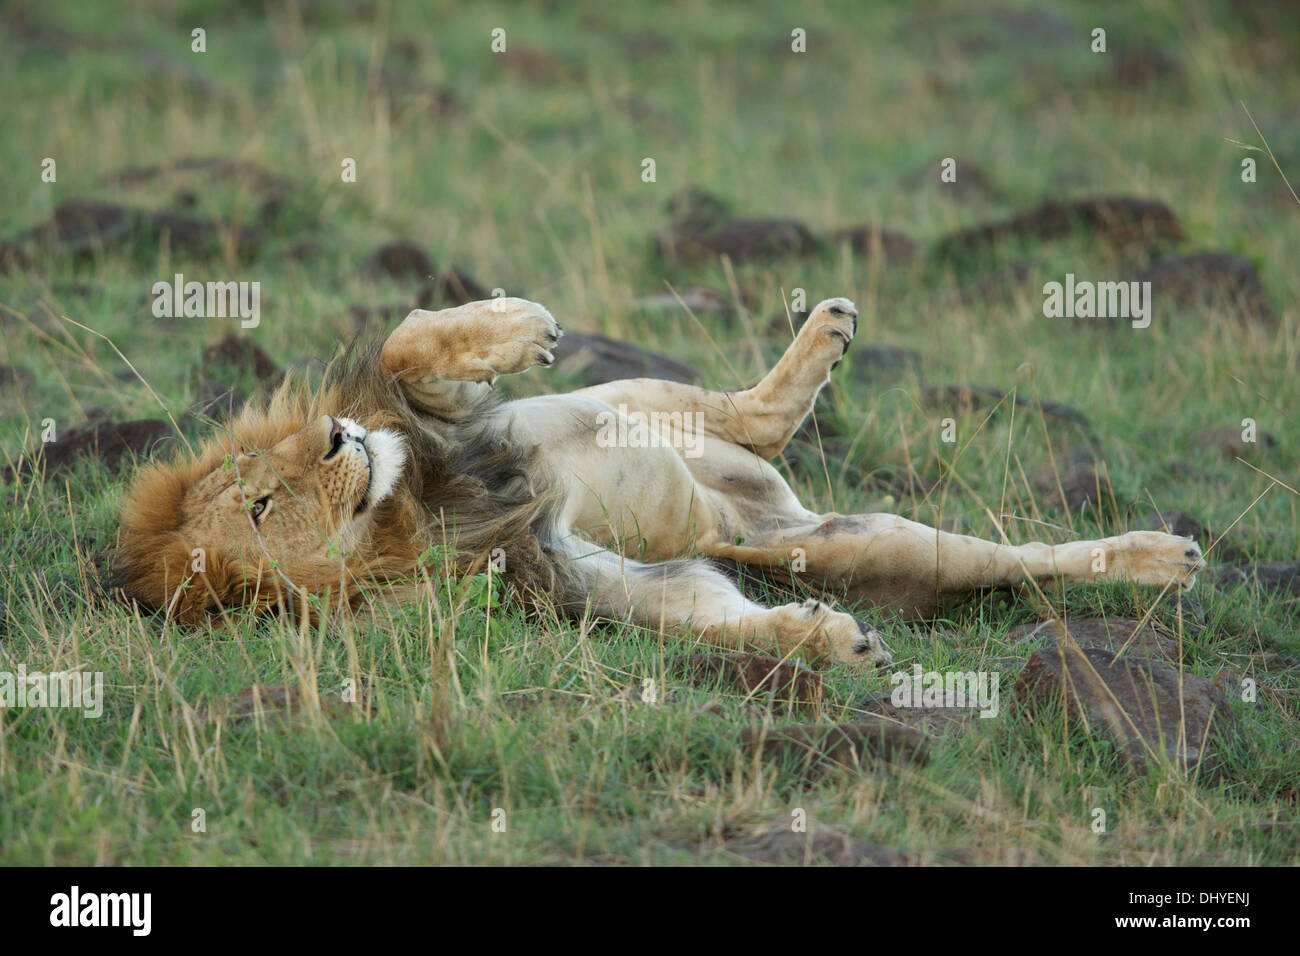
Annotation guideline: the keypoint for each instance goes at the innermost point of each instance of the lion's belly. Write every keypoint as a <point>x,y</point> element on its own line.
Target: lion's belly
<point>628,488</point>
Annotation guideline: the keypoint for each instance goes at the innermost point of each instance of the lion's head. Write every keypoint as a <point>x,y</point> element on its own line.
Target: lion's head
<point>285,499</point>
<point>339,489</point>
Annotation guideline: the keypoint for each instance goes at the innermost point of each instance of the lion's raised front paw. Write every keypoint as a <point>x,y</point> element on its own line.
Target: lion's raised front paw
<point>474,342</point>
<point>525,332</point>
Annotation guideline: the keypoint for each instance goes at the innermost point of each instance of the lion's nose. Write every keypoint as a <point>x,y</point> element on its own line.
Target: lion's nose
<point>337,431</point>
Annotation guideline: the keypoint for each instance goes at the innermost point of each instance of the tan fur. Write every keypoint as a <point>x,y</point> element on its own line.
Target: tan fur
<point>592,523</point>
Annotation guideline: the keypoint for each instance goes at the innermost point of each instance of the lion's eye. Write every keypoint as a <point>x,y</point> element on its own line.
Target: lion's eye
<point>258,507</point>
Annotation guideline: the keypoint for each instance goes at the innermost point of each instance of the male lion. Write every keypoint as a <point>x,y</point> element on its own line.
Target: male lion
<point>337,493</point>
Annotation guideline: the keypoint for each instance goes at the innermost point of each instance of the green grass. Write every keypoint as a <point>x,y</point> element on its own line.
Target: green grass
<point>533,184</point>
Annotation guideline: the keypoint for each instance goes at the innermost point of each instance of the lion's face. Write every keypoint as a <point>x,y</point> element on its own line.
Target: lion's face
<point>288,512</point>
<point>294,501</point>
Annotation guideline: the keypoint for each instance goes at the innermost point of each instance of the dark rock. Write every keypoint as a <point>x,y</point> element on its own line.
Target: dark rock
<point>846,744</point>
<point>107,441</point>
<point>596,359</point>
<point>934,721</point>
<point>1280,576</point>
<point>960,399</point>
<point>1178,522</point>
<point>1210,278</point>
<point>1074,486</point>
<point>80,226</point>
<point>1110,634</point>
<point>703,229</point>
<point>1133,701</point>
<point>754,675</point>
<point>401,260</point>
<point>874,363</point>
<point>228,370</point>
<point>239,352</point>
<point>868,240</point>
<point>1118,220</point>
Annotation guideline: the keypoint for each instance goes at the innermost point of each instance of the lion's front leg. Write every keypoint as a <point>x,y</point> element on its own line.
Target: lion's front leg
<point>474,342</point>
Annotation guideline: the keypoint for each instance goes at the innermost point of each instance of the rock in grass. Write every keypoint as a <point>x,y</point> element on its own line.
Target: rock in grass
<point>239,353</point>
<point>703,229</point>
<point>1181,523</point>
<point>1077,481</point>
<point>596,359</point>
<point>1110,634</point>
<point>226,369</point>
<point>1279,576</point>
<point>1210,278</point>
<point>108,442</point>
<point>934,721</point>
<point>1116,220</point>
<point>1145,707</point>
<point>870,240</point>
<point>754,675</point>
<point>847,744</point>
<point>400,260</point>
<point>960,399</point>
<point>80,226</point>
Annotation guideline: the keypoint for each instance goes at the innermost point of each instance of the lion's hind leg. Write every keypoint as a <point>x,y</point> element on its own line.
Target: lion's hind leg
<point>763,418</point>
<point>903,565</point>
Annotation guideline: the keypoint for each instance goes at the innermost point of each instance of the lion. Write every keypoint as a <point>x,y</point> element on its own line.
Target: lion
<point>617,501</point>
